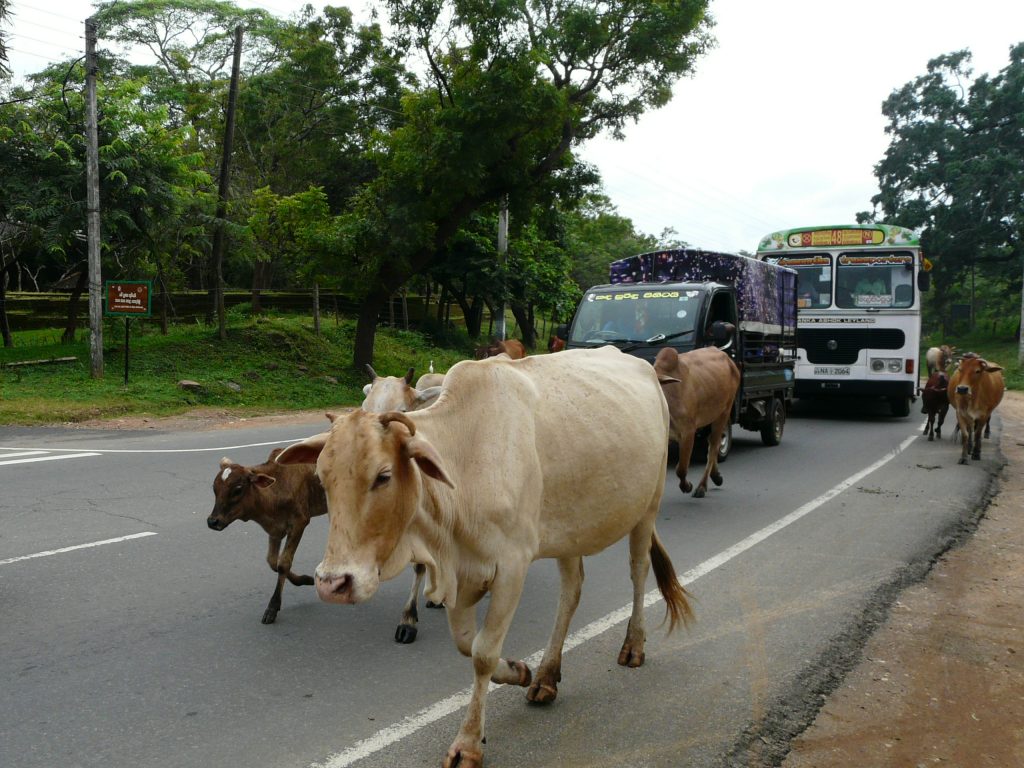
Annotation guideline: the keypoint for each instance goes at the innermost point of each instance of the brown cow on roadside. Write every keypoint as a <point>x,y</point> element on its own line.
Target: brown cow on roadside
<point>975,389</point>
<point>514,348</point>
<point>555,344</point>
<point>935,403</point>
<point>700,387</point>
<point>282,499</point>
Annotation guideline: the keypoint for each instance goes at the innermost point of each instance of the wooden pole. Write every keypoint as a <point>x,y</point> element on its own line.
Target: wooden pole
<point>499,325</point>
<point>222,196</point>
<point>92,176</point>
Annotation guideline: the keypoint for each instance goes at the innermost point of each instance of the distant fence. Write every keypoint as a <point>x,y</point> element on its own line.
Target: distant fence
<point>38,311</point>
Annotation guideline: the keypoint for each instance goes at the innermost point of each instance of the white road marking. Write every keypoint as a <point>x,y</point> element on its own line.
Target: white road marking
<point>62,550</point>
<point>429,715</point>
<point>20,453</point>
<point>165,450</point>
<point>49,458</point>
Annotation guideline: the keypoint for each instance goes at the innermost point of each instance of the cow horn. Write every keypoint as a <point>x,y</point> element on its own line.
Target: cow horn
<point>408,376</point>
<point>387,418</point>
<point>369,370</point>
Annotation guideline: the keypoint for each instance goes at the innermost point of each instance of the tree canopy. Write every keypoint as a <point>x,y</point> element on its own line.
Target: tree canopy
<point>955,169</point>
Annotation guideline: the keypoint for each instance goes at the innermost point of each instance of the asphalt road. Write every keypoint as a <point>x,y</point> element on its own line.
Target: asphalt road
<point>147,650</point>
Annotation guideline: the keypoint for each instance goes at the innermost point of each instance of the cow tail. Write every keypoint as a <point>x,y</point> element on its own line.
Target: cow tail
<point>677,607</point>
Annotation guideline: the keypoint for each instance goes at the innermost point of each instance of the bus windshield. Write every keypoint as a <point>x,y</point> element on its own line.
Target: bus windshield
<point>881,281</point>
<point>813,279</point>
<point>634,315</point>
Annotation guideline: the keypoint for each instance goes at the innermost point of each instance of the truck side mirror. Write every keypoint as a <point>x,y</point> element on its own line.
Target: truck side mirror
<point>562,331</point>
<point>924,281</point>
<point>721,332</point>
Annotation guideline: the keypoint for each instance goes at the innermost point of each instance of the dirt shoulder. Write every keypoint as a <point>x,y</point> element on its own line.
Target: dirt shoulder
<point>941,681</point>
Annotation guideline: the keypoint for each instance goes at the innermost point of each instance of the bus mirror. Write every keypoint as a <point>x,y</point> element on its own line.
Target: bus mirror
<point>924,281</point>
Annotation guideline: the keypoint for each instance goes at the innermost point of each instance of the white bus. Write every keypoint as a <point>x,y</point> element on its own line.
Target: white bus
<point>859,293</point>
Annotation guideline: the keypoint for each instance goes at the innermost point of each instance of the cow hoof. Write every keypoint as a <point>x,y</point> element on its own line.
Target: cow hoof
<point>405,634</point>
<point>629,657</point>
<point>976,456</point>
<point>716,478</point>
<point>432,604</point>
<point>523,671</point>
<point>699,493</point>
<point>269,616</point>
<point>931,438</point>
<point>962,460</point>
<point>541,693</point>
<point>685,487</point>
<point>463,758</point>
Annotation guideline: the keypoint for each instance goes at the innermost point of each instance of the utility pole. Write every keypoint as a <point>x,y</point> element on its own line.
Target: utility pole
<point>499,324</point>
<point>222,192</point>
<point>92,183</point>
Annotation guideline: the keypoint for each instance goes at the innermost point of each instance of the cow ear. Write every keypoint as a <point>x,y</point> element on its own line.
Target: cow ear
<point>425,397</point>
<point>366,390</point>
<point>263,481</point>
<point>427,459</point>
<point>663,379</point>
<point>305,452</point>
<point>992,367</point>
<point>225,463</point>
<point>331,416</point>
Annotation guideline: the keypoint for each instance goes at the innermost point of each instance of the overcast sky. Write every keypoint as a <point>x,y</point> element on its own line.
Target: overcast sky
<point>780,126</point>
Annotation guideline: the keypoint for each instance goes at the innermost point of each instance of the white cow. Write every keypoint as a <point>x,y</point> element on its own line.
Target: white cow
<point>552,456</point>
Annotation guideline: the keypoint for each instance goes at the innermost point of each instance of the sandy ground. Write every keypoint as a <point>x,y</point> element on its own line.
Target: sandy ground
<point>941,683</point>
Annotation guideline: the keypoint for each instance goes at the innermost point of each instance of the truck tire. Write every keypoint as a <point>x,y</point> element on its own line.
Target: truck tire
<point>726,445</point>
<point>771,429</point>
<point>900,406</point>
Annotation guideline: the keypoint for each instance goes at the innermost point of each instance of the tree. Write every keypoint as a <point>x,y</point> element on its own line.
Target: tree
<point>5,9</point>
<point>147,177</point>
<point>955,169</point>
<point>513,87</point>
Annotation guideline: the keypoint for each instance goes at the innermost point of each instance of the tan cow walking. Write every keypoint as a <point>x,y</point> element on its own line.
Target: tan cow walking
<point>700,387</point>
<point>552,456</point>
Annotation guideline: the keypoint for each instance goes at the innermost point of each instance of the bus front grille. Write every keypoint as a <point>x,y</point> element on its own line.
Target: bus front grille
<point>841,346</point>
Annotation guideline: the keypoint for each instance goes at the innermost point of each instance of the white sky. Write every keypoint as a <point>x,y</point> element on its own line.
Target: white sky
<point>780,126</point>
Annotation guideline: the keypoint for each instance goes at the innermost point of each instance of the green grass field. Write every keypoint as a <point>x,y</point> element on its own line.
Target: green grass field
<point>276,363</point>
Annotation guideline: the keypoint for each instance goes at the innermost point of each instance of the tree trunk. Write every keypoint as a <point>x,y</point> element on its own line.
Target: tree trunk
<point>441,302</point>
<point>366,328</point>
<point>76,294</point>
<point>257,285</point>
<point>316,308</point>
<point>6,272</point>
<point>526,330</point>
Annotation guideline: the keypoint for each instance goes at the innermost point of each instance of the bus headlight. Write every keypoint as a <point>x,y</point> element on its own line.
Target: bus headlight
<point>886,365</point>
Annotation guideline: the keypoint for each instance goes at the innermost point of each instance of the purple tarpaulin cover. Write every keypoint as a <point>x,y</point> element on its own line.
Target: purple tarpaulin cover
<point>765,293</point>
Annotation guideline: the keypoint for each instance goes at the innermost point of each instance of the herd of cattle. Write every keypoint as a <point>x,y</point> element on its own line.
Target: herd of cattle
<point>462,475</point>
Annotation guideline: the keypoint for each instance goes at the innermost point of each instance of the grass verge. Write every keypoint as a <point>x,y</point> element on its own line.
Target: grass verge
<point>270,364</point>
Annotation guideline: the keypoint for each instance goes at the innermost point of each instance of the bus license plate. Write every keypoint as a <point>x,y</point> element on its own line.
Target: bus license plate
<point>832,370</point>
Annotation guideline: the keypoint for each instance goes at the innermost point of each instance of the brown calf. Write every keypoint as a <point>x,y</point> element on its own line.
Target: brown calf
<point>283,498</point>
<point>700,387</point>
<point>514,348</point>
<point>975,389</point>
<point>935,402</point>
<point>555,344</point>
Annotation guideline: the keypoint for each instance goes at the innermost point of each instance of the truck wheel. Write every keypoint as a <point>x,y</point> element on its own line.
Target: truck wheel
<point>771,429</point>
<point>726,445</point>
<point>900,406</point>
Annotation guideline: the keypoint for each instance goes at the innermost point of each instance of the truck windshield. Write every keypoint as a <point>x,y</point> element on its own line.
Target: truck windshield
<point>884,281</point>
<point>633,314</point>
